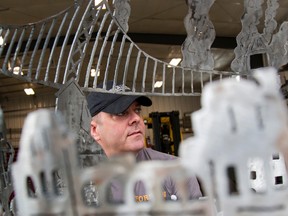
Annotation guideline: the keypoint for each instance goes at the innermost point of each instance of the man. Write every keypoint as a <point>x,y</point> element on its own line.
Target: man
<point>117,126</point>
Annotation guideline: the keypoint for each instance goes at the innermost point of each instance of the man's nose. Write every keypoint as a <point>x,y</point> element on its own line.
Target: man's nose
<point>134,117</point>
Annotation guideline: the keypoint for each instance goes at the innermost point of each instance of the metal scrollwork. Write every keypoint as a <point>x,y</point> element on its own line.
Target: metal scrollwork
<point>200,36</point>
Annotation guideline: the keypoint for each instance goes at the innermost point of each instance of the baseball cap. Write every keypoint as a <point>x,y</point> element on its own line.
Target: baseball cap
<point>111,102</point>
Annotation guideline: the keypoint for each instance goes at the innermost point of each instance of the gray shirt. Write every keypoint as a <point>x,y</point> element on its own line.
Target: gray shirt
<point>169,187</point>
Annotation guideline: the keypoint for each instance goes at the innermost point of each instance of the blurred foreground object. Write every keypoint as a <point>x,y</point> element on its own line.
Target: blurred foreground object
<point>240,139</point>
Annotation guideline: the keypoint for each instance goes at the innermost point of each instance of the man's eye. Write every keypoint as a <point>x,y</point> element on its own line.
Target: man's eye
<point>138,110</point>
<point>122,113</point>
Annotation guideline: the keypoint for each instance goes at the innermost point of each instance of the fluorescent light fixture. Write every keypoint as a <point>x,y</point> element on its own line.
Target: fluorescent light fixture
<point>29,91</point>
<point>97,2</point>
<point>16,70</point>
<point>93,72</point>
<point>174,62</point>
<point>158,84</point>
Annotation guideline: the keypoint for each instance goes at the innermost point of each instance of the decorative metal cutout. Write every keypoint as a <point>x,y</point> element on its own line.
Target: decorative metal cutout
<point>238,162</point>
<point>71,102</point>
<point>47,146</point>
<point>6,160</point>
<point>87,54</point>
<point>45,150</point>
<point>278,49</point>
<point>200,36</point>
<point>250,41</point>
<point>122,13</point>
<point>80,43</point>
<point>54,60</point>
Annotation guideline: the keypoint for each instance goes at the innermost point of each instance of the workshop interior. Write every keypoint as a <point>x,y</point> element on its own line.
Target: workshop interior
<point>215,71</point>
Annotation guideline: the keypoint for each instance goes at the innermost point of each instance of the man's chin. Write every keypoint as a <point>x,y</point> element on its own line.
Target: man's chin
<point>137,146</point>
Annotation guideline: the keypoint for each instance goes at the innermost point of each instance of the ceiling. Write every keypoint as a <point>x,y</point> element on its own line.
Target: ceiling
<point>156,25</point>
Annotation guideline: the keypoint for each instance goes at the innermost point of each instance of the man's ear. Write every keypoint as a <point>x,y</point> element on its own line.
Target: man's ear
<point>93,130</point>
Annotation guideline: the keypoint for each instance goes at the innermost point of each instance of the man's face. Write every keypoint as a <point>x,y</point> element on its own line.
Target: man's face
<point>124,132</point>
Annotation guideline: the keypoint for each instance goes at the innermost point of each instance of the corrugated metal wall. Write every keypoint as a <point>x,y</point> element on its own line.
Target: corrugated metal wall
<point>16,109</point>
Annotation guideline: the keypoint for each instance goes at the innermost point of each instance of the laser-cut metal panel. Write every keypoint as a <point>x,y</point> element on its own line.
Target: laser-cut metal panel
<point>71,102</point>
<point>238,132</point>
<point>6,160</point>
<point>152,175</point>
<point>47,148</point>
<point>200,36</point>
<point>278,49</point>
<point>252,42</point>
<point>85,37</point>
<point>45,151</point>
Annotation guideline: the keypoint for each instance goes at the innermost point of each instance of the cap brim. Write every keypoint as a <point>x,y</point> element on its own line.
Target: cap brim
<point>122,102</point>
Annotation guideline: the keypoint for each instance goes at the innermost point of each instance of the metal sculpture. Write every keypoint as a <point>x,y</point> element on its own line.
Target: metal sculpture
<point>44,147</point>
<point>47,147</point>
<point>83,46</point>
<point>250,42</point>
<point>71,102</point>
<point>278,49</point>
<point>236,163</point>
<point>6,160</point>
<point>47,176</point>
<point>241,163</point>
<point>200,36</point>
<point>88,28</point>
